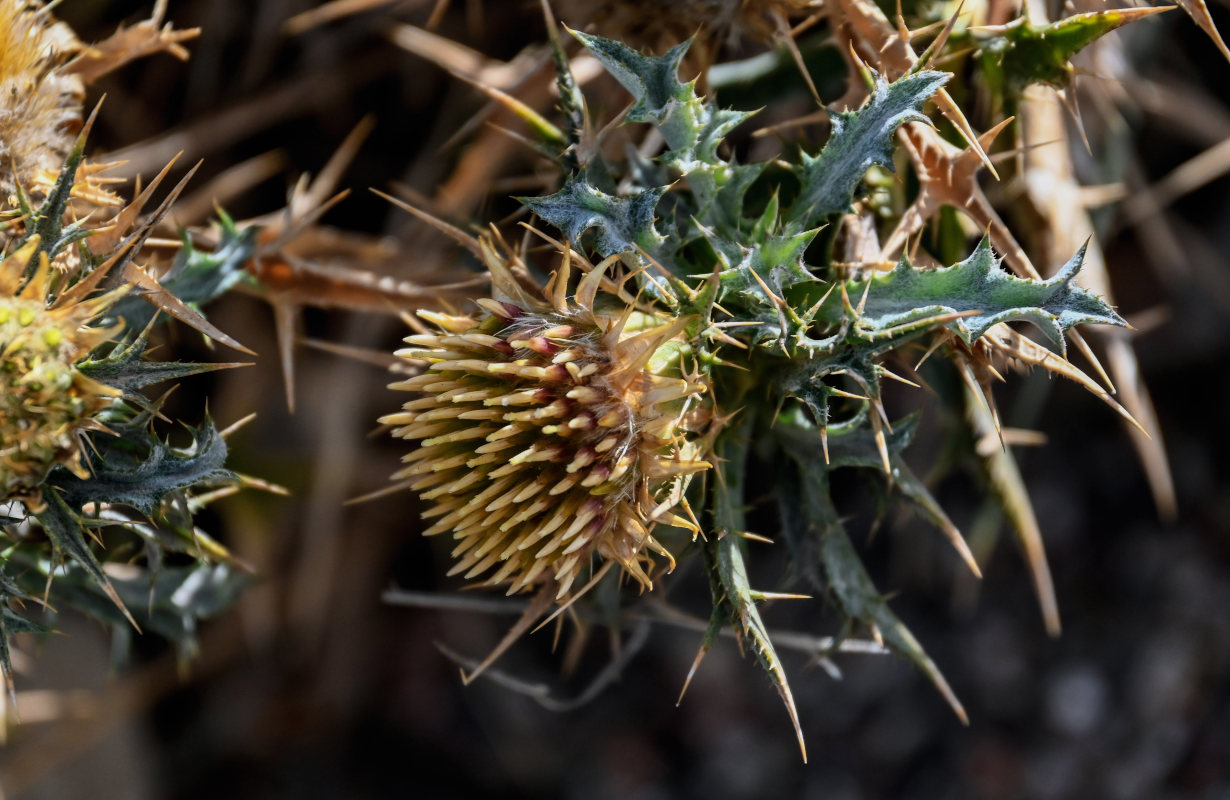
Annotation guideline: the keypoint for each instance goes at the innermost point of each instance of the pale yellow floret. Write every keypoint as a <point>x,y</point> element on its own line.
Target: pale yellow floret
<point>545,439</point>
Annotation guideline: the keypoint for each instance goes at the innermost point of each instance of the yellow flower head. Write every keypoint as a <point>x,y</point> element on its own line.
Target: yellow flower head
<point>549,433</point>
<point>46,403</point>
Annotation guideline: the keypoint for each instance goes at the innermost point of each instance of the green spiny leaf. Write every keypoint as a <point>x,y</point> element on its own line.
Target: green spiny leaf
<point>196,277</point>
<point>11,622</point>
<point>847,578</point>
<point>726,212</point>
<point>125,369</point>
<point>806,379</point>
<point>170,603</point>
<point>137,470</point>
<point>65,529</point>
<point>853,444</point>
<point>623,223</point>
<point>860,139</point>
<point>984,293</point>
<point>652,80</point>
<point>16,623</point>
<point>860,600</point>
<point>734,594</point>
<point>1022,53</point>
<point>692,128</point>
<point>776,260</point>
<point>48,221</point>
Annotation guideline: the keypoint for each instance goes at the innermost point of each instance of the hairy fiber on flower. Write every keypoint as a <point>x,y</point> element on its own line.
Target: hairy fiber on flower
<point>550,432</point>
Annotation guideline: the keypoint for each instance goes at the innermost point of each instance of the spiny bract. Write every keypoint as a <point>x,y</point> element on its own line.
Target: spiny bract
<point>550,432</point>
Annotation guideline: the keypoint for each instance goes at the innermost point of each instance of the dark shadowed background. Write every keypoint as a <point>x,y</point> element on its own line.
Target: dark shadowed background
<point>313,687</point>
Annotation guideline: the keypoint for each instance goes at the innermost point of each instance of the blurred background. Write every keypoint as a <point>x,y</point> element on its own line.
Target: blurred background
<point>312,686</point>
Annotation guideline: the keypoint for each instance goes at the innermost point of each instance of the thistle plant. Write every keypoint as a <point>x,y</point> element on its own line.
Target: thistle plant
<point>80,458</point>
<point>705,318</point>
<point>86,478</point>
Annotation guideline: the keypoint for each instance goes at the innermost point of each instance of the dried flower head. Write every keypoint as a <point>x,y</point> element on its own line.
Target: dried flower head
<point>46,403</point>
<point>550,432</point>
<point>44,72</point>
<point>40,103</point>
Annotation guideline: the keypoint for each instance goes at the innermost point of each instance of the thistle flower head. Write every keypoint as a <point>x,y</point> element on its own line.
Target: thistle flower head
<point>40,104</point>
<point>549,432</point>
<point>46,402</point>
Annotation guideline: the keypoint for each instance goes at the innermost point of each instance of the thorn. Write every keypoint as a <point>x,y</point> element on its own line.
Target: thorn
<point>879,406</point>
<point>284,319</point>
<point>377,494</point>
<point>1081,344</point>
<point>456,234</point>
<point>851,395</point>
<point>928,55</point>
<point>237,424</point>
<point>599,575</point>
<point>846,305</point>
<point>806,119</point>
<point>966,369</point>
<point>785,37</point>
<point>539,124</point>
<point>534,610</point>
<point>777,301</point>
<point>991,134</point>
<point>687,681</point>
<point>887,373</point>
<point>939,341</point>
<point>862,302</point>
<point>949,108</point>
<point>877,428</point>
<point>766,596</point>
<point>734,324</point>
<point>862,68</point>
<point>1068,98</point>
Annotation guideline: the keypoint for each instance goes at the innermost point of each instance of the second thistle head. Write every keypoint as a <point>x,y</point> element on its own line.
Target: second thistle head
<point>553,436</point>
